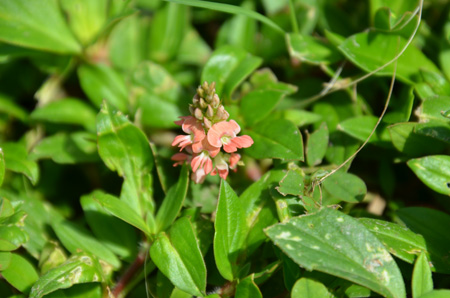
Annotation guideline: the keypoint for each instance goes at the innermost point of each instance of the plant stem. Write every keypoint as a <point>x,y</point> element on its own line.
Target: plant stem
<point>293,17</point>
<point>129,273</point>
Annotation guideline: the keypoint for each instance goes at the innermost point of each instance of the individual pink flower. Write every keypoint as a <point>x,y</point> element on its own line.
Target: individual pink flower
<point>224,134</point>
<point>199,176</point>
<point>202,161</point>
<point>234,159</point>
<point>180,158</point>
<point>193,128</point>
<point>221,166</point>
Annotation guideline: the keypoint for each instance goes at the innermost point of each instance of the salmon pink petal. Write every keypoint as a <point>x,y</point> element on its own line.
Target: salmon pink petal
<point>195,163</point>
<point>234,126</point>
<point>213,151</point>
<point>234,159</point>
<point>197,147</point>
<point>191,125</point>
<point>223,174</point>
<point>182,141</point>
<point>242,141</point>
<point>198,176</point>
<point>208,166</point>
<point>230,147</point>
<point>214,135</point>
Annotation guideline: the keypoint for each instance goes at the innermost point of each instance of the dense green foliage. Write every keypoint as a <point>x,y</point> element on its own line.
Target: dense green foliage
<point>343,193</point>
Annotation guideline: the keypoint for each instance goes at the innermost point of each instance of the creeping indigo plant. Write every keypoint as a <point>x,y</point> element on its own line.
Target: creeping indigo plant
<point>92,206</point>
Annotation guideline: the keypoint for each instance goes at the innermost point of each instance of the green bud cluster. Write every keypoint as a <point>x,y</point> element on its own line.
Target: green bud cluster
<point>206,105</point>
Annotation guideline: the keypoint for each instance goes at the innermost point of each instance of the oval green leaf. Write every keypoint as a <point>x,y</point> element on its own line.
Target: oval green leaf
<point>20,273</point>
<point>422,282</point>
<point>228,67</point>
<point>173,201</point>
<point>247,288</point>
<point>75,237</point>
<point>279,139</point>
<point>16,160</point>
<point>433,226</point>
<point>434,171</point>
<point>38,25</point>
<point>346,187</point>
<point>230,230</point>
<point>79,268</point>
<point>177,254</point>
<point>309,288</point>
<point>124,148</point>
<point>335,243</point>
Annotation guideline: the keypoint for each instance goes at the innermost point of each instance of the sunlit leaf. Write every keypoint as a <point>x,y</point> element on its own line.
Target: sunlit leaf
<point>335,243</point>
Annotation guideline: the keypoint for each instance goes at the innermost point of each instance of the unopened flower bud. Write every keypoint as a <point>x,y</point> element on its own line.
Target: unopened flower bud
<point>200,91</point>
<point>198,114</point>
<point>215,101</point>
<point>205,85</point>
<point>221,113</point>
<point>202,103</point>
<point>191,109</point>
<point>209,112</point>
<point>209,98</point>
<point>195,99</point>
<point>213,86</point>
<point>207,123</point>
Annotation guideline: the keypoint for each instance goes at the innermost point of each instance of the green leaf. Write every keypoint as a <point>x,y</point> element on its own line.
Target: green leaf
<point>400,107</point>
<point>86,290</point>
<point>67,111</point>
<point>422,282</point>
<point>405,139</point>
<point>433,226</point>
<point>360,128</point>
<point>276,139</point>
<point>8,106</point>
<point>335,243</point>
<point>173,201</point>
<point>291,184</point>
<point>239,31</point>
<point>437,130</point>
<point>230,230</point>
<point>311,50</point>
<point>437,294</point>
<point>5,260</point>
<point>124,148</point>
<point>21,273</point>
<point>38,25</point>
<point>259,103</point>
<point>75,237</point>
<point>193,49</point>
<point>121,210</point>
<point>370,50</point>
<point>259,209</point>
<point>117,235</point>
<point>12,234</point>
<point>432,109</point>
<point>434,85</point>
<point>300,117</point>
<point>158,94</point>
<point>398,239</point>
<point>228,67</point>
<point>2,167</point>
<point>103,83</point>
<point>86,18</point>
<point>79,268</point>
<point>178,256</point>
<point>346,187</point>
<point>317,144</point>
<point>434,171</point>
<point>16,160</point>
<point>167,29</point>
<point>126,43</point>
<point>247,288</point>
<point>65,148</point>
<point>52,255</point>
<point>231,9</point>
<point>309,288</point>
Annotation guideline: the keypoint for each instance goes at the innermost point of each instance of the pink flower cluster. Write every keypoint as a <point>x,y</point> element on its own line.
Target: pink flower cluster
<point>207,131</point>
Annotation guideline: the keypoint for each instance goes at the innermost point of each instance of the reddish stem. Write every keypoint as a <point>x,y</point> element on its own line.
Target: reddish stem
<point>129,274</point>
